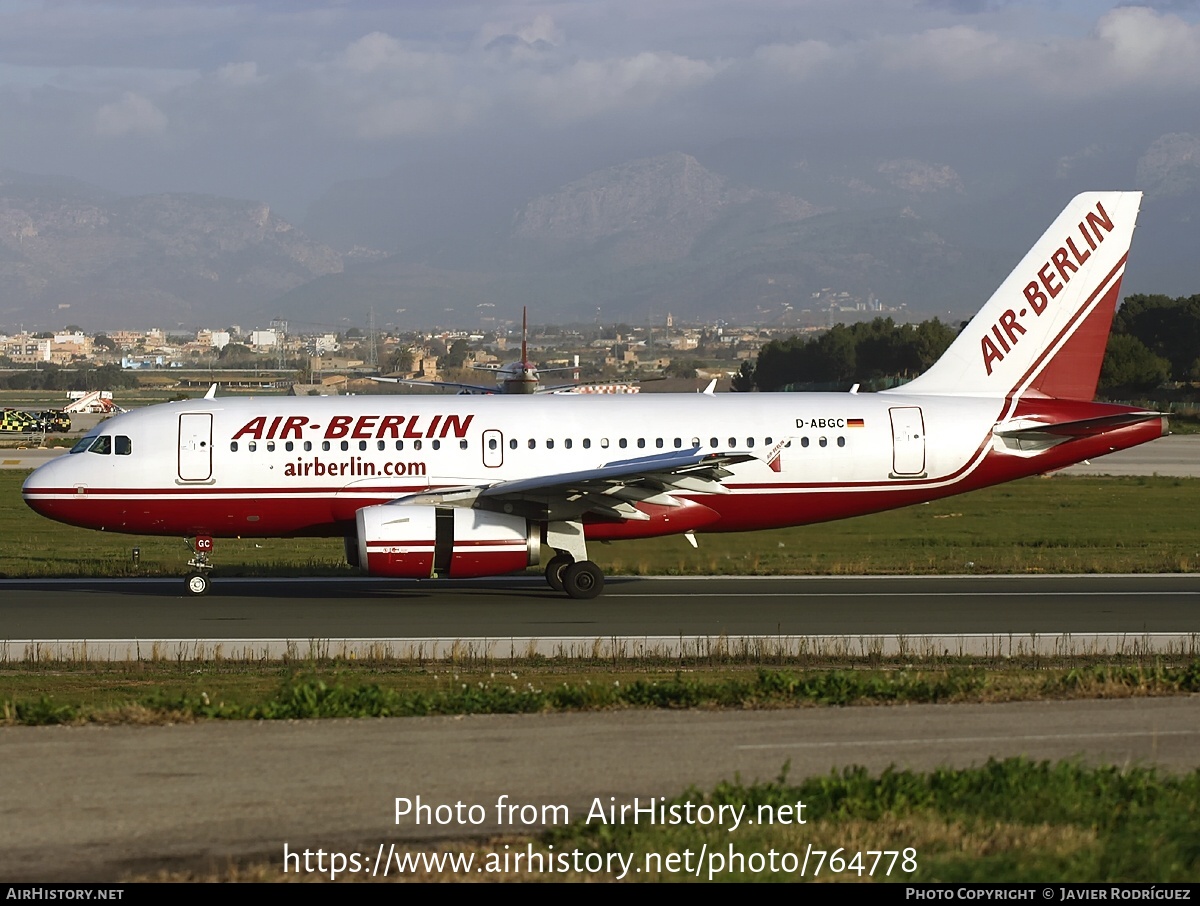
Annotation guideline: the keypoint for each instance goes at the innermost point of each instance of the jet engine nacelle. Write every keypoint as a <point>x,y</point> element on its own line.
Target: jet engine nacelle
<point>420,542</point>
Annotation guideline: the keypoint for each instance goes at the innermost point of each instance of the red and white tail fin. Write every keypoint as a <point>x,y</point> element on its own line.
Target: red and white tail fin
<point>1045,329</point>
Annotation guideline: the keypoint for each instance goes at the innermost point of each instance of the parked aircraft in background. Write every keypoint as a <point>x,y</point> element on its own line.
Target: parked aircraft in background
<point>521,376</point>
<point>424,487</point>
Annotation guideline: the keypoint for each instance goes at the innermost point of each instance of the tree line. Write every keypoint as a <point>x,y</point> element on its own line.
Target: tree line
<point>49,376</point>
<point>1154,339</point>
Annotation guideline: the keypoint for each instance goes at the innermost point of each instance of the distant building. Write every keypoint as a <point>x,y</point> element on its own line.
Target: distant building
<point>215,338</point>
<point>26,350</point>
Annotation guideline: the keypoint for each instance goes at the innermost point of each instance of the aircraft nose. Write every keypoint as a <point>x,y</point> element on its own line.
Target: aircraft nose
<point>39,489</point>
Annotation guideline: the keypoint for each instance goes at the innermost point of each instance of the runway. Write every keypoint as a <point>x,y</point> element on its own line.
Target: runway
<point>854,616</point>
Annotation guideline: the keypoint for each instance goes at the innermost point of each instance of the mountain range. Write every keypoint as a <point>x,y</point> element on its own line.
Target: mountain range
<point>629,242</point>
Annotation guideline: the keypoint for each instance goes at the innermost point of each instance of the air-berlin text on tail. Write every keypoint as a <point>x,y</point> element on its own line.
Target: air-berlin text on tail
<point>361,427</point>
<point>1052,278</point>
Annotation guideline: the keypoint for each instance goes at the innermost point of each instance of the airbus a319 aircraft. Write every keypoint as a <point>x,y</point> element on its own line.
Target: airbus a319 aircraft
<point>454,486</point>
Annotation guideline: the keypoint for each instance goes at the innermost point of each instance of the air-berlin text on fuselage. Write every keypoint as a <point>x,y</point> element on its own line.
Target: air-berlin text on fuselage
<point>1052,278</point>
<point>362,427</point>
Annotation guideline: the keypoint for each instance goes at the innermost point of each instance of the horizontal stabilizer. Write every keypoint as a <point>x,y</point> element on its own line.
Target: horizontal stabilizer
<point>1084,427</point>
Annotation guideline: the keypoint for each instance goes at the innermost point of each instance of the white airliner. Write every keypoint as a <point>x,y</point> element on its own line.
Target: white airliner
<point>461,486</point>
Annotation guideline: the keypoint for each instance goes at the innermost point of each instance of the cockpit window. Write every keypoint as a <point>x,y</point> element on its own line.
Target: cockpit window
<point>83,444</point>
<point>102,445</point>
<point>123,446</point>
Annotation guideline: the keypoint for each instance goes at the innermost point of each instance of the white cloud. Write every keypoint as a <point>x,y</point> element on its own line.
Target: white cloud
<point>797,61</point>
<point>1151,48</point>
<point>588,88</point>
<point>134,114</point>
<point>237,74</point>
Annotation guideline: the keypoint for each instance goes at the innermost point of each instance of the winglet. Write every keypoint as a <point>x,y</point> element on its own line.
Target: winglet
<point>711,388</point>
<point>212,392</point>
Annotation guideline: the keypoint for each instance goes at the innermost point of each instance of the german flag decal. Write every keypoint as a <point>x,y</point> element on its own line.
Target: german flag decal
<point>855,423</point>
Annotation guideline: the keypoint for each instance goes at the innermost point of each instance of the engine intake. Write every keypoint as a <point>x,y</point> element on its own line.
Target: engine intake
<point>421,542</point>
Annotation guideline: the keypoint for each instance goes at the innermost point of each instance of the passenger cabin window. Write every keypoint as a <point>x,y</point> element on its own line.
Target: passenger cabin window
<point>232,446</point>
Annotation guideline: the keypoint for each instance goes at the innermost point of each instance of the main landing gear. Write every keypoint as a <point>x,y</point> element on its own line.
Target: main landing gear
<point>582,580</point>
<point>569,569</point>
<point>198,583</point>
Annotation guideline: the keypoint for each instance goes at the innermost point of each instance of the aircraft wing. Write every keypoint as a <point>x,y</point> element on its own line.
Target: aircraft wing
<point>608,491</point>
<point>462,388</point>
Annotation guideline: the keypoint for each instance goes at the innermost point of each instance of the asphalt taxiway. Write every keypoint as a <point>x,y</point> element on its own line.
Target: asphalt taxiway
<point>103,803</point>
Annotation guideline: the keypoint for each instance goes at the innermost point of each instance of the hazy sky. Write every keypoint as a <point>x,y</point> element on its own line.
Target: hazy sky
<point>277,100</point>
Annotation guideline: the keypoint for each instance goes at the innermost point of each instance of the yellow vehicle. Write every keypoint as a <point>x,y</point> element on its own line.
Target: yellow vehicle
<point>19,421</point>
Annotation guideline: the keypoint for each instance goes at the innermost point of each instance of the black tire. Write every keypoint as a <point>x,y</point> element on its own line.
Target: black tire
<point>583,580</point>
<point>555,568</point>
<point>198,584</point>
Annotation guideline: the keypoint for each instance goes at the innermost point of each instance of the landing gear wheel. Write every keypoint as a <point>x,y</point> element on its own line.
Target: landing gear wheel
<point>555,568</point>
<point>198,584</point>
<point>583,580</point>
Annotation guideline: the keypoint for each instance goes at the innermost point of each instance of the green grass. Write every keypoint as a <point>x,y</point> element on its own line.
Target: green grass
<point>30,696</point>
<point>1063,524</point>
<point>1007,821</point>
